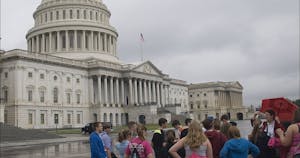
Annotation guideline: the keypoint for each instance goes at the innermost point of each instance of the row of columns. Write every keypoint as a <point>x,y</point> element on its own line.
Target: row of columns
<point>143,92</point>
<point>229,99</point>
<point>132,91</point>
<point>73,40</point>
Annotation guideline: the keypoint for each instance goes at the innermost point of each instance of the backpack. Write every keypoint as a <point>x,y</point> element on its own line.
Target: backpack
<point>135,153</point>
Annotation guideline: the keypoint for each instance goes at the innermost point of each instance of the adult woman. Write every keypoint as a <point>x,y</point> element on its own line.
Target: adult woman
<point>123,139</point>
<point>238,147</point>
<point>195,143</point>
<point>266,132</point>
<point>139,146</point>
<point>292,136</point>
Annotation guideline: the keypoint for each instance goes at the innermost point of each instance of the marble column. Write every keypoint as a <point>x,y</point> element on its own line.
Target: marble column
<point>111,90</point>
<point>99,89</point>
<point>135,92</point>
<point>58,41</point>
<point>50,42</point>
<point>140,92</point>
<point>91,91</point>
<point>37,44</point>
<point>75,40</point>
<point>117,91</point>
<point>149,92</point>
<point>43,43</point>
<point>154,91</point>
<point>130,91</point>
<point>92,41</point>
<point>162,95</point>
<point>122,92</point>
<point>105,90</point>
<point>105,43</point>
<point>67,40</point>
<point>83,40</point>
<point>145,92</point>
<point>158,95</point>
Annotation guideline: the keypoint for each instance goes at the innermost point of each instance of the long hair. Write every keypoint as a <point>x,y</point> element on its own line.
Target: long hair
<point>170,136</point>
<point>140,131</point>
<point>195,136</point>
<point>123,135</point>
<point>255,132</point>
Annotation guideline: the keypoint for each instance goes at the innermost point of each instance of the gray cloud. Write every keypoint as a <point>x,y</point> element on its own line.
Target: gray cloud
<point>255,42</point>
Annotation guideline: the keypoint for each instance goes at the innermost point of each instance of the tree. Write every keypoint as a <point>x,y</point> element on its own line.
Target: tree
<point>297,102</point>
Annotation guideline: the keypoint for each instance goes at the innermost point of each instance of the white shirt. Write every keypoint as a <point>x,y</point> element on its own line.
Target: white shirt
<point>270,129</point>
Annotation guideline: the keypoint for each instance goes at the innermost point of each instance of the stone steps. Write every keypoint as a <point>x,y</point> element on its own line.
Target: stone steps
<point>11,133</point>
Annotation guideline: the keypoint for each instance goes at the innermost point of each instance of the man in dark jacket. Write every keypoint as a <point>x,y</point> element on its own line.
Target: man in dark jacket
<point>158,138</point>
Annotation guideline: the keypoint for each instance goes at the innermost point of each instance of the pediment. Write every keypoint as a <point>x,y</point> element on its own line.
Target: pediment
<point>148,68</point>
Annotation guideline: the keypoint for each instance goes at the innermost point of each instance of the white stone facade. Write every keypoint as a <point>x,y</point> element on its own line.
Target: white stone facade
<point>215,99</point>
<point>71,75</point>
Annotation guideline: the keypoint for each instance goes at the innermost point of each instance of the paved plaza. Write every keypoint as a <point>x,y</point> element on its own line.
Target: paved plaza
<point>73,145</point>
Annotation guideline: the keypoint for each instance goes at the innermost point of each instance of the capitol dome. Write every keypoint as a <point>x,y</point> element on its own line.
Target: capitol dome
<point>76,29</point>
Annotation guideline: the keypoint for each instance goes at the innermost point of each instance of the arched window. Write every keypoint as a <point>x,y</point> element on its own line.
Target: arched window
<point>55,95</point>
<point>104,117</point>
<point>117,119</point>
<point>111,119</point>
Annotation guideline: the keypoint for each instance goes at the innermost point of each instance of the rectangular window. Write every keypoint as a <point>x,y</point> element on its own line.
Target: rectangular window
<point>6,74</point>
<point>30,95</point>
<point>42,76</point>
<point>42,96</point>
<point>64,14</point>
<point>91,15</point>
<point>46,17</point>
<point>56,118</point>
<point>5,96</point>
<point>69,98</point>
<point>51,16</point>
<point>77,80</point>
<point>84,14</point>
<point>57,15</point>
<point>78,98</point>
<point>78,119</point>
<point>97,16</point>
<point>71,14</point>
<point>69,118</point>
<point>78,14</point>
<point>30,74</point>
<point>42,119</point>
<point>30,120</point>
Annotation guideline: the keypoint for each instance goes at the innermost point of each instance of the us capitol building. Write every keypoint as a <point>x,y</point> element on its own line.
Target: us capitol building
<point>71,75</point>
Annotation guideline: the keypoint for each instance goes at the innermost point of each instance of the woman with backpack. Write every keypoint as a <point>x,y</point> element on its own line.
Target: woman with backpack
<point>292,136</point>
<point>138,147</point>
<point>196,144</point>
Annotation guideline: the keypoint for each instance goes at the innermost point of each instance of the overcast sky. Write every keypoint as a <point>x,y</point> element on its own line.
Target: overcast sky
<point>255,42</point>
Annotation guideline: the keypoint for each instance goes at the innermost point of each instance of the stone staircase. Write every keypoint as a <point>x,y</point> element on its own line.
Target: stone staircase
<point>10,133</point>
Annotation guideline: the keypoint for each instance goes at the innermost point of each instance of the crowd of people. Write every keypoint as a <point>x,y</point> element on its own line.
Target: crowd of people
<point>211,138</point>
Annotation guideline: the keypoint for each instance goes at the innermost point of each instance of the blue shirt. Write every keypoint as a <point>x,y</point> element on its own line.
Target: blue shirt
<point>97,148</point>
<point>121,147</point>
<point>238,148</point>
<point>106,140</point>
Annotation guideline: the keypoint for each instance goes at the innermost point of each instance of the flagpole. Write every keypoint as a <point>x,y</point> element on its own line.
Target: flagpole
<point>141,45</point>
<point>142,53</point>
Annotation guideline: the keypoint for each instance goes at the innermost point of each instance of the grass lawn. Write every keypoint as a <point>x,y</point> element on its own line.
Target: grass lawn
<point>66,131</point>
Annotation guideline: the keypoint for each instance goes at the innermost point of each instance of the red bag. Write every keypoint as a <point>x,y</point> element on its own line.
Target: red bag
<point>274,142</point>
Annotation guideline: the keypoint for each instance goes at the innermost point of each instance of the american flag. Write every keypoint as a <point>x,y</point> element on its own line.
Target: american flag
<point>142,37</point>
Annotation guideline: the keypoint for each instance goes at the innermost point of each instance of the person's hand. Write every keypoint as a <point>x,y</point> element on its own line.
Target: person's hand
<point>279,131</point>
<point>277,119</point>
